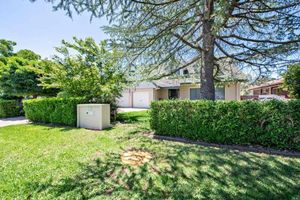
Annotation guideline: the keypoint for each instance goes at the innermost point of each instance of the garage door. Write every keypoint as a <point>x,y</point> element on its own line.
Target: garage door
<point>141,100</point>
<point>124,100</point>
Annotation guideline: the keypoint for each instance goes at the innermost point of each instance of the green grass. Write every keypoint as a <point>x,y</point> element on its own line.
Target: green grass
<point>132,117</point>
<point>43,162</point>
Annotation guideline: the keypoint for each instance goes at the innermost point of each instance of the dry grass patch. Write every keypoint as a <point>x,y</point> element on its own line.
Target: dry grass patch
<point>136,157</point>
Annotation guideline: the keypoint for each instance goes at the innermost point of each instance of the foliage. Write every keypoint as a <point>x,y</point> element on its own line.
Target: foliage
<point>53,110</point>
<point>20,77</point>
<point>292,80</point>
<point>10,108</point>
<point>271,124</point>
<point>6,48</point>
<point>86,69</point>
<point>165,36</point>
<point>20,72</point>
<point>9,97</point>
<point>47,162</point>
<point>28,55</point>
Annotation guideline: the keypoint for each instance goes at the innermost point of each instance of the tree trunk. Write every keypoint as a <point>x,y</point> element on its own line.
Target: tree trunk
<point>207,61</point>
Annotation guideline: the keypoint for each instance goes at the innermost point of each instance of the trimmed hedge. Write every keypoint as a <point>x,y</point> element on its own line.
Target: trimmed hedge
<point>61,111</point>
<point>271,123</point>
<point>10,108</point>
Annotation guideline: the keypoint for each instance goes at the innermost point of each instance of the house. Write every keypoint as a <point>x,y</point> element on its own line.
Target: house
<point>270,88</point>
<point>144,93</point>
<point>183,85</point>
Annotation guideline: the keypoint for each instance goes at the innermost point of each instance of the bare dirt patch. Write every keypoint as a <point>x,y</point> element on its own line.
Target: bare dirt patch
<point>136,157</point>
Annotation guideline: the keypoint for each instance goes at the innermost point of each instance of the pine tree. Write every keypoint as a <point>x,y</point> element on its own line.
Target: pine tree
<point>164,36</point>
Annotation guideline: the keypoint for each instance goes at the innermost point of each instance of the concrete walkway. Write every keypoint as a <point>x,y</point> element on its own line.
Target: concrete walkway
<point>131,109</point>
<point>13,121</point>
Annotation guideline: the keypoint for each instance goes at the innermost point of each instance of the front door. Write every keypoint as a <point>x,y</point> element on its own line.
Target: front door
<point>173,93</point>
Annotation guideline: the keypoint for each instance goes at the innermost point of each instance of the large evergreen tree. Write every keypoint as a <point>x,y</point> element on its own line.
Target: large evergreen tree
<point>164,36</point>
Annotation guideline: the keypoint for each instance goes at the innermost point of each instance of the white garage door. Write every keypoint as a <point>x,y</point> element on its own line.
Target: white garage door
<point>141,100</point>
<point>124,100</point>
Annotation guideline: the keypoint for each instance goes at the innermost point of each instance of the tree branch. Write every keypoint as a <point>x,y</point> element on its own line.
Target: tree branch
<point>259,41</point>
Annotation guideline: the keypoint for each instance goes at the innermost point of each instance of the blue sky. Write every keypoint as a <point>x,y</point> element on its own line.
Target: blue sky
<point>36,27</point>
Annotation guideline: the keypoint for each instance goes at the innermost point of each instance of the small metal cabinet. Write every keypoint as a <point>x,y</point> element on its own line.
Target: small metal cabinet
<point>93,116</point>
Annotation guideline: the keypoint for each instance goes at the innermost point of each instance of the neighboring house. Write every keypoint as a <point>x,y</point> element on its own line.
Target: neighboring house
<point>270,88</point>
<point>144,93</point>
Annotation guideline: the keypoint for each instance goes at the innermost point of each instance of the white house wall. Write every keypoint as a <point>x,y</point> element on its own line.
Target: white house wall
<point>232,92</point>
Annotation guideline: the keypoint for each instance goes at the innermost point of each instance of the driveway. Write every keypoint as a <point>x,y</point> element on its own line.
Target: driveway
<point>131,109</point>
<point>13,121</point>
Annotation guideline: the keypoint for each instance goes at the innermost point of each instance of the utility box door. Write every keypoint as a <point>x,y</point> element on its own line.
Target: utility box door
<point>93,116</point>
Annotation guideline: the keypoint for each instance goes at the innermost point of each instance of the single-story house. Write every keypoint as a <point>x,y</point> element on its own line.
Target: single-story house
<point>269,88</point>
<point>144,93</point>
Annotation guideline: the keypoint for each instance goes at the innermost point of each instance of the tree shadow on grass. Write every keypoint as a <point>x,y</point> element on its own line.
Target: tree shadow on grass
<point>63,128</point>
<point>182,172</point>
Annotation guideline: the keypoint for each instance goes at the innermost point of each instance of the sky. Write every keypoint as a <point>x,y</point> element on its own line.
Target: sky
<point>37,27</point>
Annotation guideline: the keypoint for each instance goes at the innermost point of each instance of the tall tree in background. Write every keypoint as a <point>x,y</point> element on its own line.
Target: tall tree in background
<point>164,36</point>
<point>20,73</point>
<point>28,54</point>
<point>6,48</point>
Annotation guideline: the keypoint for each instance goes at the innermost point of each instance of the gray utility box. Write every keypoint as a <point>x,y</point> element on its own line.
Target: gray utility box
<point>93,116</point>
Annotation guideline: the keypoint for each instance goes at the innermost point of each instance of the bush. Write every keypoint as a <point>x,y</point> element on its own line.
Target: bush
<point>10,108</point>
<point>271,124</point>
<point>292,80</point>
<point>53,110</point>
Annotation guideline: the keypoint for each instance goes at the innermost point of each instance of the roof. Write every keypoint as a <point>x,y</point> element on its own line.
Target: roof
<point>147,85</point>
<point>168,83</point>
<point>165,83</point>
<point>267,84</point>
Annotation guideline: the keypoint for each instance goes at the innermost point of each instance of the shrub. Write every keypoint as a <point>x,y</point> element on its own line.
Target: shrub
<point>271,124</point>
<point>10,108</point>
<point>292,80</point>
<point>53,110</point>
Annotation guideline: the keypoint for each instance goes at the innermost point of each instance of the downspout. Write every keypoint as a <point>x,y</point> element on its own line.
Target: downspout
<point>236,91</point>
<point>131,96</point>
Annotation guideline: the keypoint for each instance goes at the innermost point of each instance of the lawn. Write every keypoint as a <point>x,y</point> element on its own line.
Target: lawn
<point>45,162</point>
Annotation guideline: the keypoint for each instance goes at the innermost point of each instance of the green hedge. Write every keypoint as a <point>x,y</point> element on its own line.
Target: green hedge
<point>271,124</point>
<point>53,110</point>
<point>10,108</point>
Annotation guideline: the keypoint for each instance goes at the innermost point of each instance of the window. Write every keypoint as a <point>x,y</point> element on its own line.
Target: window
<point>276,90</point>
<point>196,94</point>
<point>185,72</point>
<point>256,92</point>
<point>265,91</point>
<point>220,93</point>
